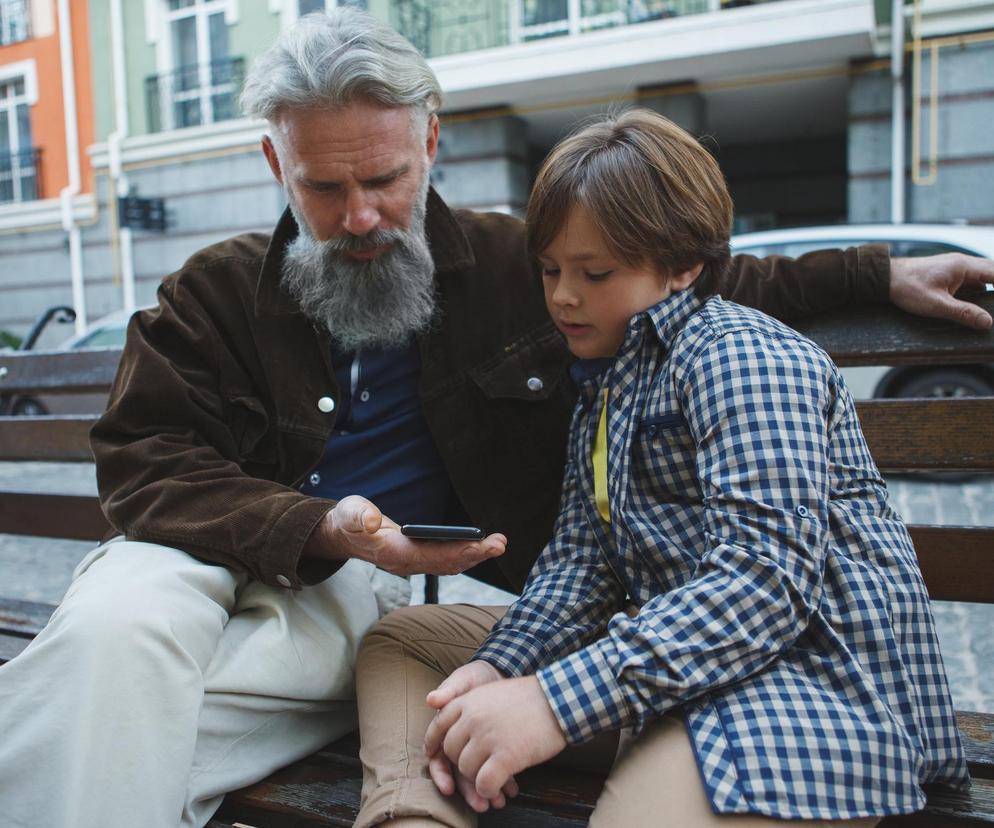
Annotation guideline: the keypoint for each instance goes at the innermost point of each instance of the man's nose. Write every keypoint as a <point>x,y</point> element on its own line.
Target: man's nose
<point>361,214</point>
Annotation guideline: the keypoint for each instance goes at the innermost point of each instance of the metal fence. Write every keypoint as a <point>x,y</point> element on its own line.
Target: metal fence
<point>20,175</point>
<point>194,95</point>
<point>445,27</point>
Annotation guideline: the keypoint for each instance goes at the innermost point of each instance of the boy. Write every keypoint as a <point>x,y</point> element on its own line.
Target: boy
<point>727,582</point>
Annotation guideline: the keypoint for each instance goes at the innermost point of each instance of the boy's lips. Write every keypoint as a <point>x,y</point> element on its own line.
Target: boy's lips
<point>573,328</point>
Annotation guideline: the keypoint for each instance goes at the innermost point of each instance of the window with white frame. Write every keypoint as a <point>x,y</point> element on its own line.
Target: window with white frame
<point>14,19</point>
<point>308,6</point>
<point>18,158</point>
<point>203,82</point>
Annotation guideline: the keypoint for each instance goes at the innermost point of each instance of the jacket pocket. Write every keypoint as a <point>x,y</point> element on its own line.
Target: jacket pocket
<point>530,368</point>
<point>249,426</point>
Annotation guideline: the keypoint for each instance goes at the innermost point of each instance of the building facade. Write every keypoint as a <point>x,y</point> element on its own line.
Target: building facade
<point>794,97</point>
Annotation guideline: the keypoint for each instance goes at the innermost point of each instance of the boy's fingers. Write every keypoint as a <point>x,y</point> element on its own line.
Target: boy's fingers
<point>440,770</point>
<point>438,728</point>
<point>511,788</point>
<point>468,792</point>
<point>491,778</point>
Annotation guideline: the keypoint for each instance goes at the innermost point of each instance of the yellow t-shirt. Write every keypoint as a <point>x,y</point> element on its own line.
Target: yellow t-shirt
<point>600,463</point>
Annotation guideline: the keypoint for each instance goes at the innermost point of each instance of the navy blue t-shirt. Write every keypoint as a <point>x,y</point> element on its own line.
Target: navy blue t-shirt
<point>381,447</point>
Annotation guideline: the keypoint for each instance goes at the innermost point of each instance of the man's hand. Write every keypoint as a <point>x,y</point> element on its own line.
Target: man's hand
<point>927,287</point>
<point>495,731</point>
<point>355,528</point>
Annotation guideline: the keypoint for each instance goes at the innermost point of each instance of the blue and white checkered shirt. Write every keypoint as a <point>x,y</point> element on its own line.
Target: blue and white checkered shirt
<point>780,605</point>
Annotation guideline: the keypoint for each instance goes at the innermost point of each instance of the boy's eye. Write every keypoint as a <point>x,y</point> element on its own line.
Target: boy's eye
<point>598,277</point>
<point>550,272</point>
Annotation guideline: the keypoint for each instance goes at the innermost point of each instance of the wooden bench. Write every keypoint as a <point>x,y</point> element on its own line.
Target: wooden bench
<point>323,790</point>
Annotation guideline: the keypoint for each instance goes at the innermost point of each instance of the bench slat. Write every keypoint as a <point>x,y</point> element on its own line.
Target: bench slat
<point>23,617</point>
<point>88,369</point>
<point>49,439</point>
<point>929,434</point>
<point>884,335</point>
<point>951,559</point>
<point>74,517</point>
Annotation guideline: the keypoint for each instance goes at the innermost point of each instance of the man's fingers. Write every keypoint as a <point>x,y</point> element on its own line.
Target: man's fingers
<point>965,313</point>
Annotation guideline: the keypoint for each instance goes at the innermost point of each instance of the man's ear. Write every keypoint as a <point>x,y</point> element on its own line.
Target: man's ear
<point>679,281</point>
<point>269,150</point>
<point>431,143</point>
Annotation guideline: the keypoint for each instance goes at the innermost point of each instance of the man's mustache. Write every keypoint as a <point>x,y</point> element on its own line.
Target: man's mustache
<point>360,244</point>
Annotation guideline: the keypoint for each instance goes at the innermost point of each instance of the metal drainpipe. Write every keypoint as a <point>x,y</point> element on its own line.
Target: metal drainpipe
<point>119,178</point>
<point>897,112</point>
<point>69,193</point>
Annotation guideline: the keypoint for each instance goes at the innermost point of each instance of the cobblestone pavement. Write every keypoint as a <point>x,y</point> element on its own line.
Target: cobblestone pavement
<point>40,570</point>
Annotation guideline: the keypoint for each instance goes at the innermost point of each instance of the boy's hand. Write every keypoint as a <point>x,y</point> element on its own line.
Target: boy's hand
<point>446,778</point>
<point>495,731</point>
<point>356,528</point>
<point>927,287</point>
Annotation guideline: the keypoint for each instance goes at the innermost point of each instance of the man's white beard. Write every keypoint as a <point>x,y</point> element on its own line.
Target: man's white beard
<point>382,302</point>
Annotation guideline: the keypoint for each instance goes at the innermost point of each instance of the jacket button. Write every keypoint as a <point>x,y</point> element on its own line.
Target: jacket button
<point>315,479</point>
<point>282,580</point>
<point>364,396</point>
<point>326,404</point>
<point>535,384</point>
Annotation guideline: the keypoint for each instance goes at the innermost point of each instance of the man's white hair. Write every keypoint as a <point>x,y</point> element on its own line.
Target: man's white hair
<point>338,58</point>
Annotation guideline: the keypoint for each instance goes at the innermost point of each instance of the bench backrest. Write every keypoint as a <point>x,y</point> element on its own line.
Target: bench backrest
<point>903,435</point>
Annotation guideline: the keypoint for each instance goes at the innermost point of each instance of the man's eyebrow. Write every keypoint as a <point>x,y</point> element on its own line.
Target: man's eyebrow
<point>384,178</point>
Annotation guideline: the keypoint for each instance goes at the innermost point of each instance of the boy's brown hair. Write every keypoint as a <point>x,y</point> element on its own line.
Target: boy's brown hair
<point>656,195</point>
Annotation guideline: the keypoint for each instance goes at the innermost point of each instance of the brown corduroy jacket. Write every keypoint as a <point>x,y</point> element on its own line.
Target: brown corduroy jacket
<point>213,421</point>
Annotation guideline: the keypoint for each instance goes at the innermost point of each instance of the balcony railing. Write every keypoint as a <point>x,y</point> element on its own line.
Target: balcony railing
<point>194,95</point>
<point>20,175</point>
<point>14,21</point>
<point>445,27</point>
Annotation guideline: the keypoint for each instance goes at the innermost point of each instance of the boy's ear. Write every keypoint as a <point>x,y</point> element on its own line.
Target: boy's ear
<point>679,281</point>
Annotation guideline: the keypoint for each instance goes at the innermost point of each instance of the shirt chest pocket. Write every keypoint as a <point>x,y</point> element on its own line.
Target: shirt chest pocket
<point>664,456</point>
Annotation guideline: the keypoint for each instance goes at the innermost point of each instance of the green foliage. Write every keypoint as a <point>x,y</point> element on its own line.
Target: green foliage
<point>9,340</point>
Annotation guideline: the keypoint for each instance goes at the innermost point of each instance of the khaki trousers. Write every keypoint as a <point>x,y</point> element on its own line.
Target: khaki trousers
<point>161,683</point>
<point>653,780</point>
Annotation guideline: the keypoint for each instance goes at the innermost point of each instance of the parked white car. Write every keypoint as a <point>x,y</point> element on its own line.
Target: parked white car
<point>904,240</point>
<point>107,332</point>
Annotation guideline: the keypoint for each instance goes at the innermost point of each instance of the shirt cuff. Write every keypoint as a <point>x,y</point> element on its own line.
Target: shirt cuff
<point>584,693</point>
<point>513,652</point>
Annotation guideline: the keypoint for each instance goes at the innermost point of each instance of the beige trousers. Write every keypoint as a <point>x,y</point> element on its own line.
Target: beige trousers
<point>653,780</point>
<point>161,683</point>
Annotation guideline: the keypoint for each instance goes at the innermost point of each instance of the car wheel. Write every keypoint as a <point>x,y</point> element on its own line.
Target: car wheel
<point>29,408</point>
<point>944,383</point>
<point>949,383</point>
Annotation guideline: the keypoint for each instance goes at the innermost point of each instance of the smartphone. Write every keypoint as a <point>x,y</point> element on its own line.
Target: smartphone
<point>427,531</point>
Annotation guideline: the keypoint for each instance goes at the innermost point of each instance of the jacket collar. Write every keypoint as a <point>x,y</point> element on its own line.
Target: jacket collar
<point>450,250</point>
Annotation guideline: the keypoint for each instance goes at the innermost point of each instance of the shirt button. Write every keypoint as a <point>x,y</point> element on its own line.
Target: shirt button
<point>315,479</point>
<point>535,384</point>
<point>364,396</point>
<point>282,580</point>
<point>801,511</point>
<point>326,404</point>
<point>652,430</point>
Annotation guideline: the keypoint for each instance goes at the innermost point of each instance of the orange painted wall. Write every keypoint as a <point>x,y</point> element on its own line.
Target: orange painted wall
<point>48,130</point>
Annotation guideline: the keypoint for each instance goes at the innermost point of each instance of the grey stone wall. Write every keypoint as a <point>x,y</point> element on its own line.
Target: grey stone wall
<point>963,188</point>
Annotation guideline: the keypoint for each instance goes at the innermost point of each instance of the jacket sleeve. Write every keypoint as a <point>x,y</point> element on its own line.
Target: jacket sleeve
<point>762,462</point>
<point>167,454</point>
<point>791,289</point>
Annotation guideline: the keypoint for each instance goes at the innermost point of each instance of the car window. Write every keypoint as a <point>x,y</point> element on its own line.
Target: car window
<point>110,337</point>
<point>796,248</point>
<point>912,247</point>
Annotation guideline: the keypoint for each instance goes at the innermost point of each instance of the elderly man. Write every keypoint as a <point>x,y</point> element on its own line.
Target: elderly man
<point>378,359</point>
